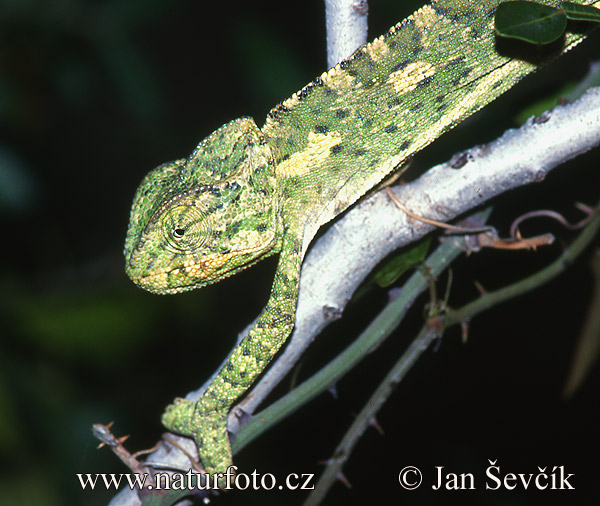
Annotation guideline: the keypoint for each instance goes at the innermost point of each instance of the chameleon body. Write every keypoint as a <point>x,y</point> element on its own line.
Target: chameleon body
<point>247,192</point>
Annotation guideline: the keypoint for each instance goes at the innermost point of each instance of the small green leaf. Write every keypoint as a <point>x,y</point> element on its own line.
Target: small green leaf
<point>531,22</point>
<point>398,265</point>
<point>581,12</point>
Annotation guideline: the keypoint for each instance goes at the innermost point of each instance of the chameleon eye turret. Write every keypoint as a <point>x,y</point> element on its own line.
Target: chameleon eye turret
<point>199,220</point>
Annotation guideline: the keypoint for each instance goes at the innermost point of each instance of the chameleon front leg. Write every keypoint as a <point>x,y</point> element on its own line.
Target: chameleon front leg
<point>206,420</point>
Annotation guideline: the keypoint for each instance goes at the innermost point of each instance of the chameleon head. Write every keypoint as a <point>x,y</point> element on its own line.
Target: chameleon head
<point>196,221</point>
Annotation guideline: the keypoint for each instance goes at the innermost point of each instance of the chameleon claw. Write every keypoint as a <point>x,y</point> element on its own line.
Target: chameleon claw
<point>207,427</point>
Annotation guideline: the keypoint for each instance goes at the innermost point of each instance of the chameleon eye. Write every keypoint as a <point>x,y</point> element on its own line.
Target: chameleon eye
<point>185,228</point>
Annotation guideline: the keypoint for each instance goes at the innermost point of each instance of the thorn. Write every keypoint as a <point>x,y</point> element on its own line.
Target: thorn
<point>464,331</point>
<point>122,439</point>
<point>333,391</point>
<point>480,288</point>
<point>374,423</point>
<point>344,480</point>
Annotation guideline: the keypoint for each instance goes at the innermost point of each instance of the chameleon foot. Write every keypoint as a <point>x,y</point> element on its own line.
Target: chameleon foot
<point>208,428</point>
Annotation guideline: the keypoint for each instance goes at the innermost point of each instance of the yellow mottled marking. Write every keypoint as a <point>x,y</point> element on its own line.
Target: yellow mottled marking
<point>426,17</point>
<point>378,49</point>
<point>337,78</point>
<point>316,151</point>
<point>407,79</point>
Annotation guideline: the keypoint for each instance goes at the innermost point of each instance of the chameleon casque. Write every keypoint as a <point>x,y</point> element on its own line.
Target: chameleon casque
<point>247,192</point>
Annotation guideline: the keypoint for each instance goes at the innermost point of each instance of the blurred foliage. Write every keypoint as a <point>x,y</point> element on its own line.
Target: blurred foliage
<point>93,94</point>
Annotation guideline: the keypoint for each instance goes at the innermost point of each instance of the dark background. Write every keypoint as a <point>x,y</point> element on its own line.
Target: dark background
<point>93,94</point>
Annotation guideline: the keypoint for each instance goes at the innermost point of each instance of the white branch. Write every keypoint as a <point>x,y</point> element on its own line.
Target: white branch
<point>346,22</point>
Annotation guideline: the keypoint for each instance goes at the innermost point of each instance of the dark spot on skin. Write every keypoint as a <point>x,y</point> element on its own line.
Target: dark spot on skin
<point>497,84</point>
<point>400,66</point>
<point>455,61</point>
<point>341,113</point>
<point>352,73</point>
<point>466,71</point>
<point>392,44</point>
<point>417,49</point>
<point>390,129</point>
<point>417,37</point>
<point>230,366</point>
<point>360,152</point>
<point>302,94</point>
<point>344,64</point>
<point>321,129</point>
<point>440,98</point>
<point>336,149</point>
<point>329,92</point>
<point>425,82</point>
<point>318,81</point>
<point>405,145</point>
<point>394,102</point>
<point>416,107</point>
<point>441,108</point>
<point>456,81</point>
<point>368,123</point>
<point>358,54</point>
<point>279,109</point>
<point>261,227</point>
<point>246,352</point>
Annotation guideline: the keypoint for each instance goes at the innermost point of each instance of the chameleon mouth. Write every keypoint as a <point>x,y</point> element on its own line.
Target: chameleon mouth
<point>161,283</point>
<point>185,277</point>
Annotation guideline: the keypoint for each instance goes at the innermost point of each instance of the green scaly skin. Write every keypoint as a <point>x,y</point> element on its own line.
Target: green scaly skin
<point>248,192</point>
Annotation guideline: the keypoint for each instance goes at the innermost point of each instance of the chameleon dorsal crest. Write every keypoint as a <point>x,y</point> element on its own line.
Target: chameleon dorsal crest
<point>216,213</point>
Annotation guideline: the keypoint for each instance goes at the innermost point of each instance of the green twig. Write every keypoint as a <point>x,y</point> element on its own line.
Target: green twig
<point>362,422</point>
<point>426,336</point>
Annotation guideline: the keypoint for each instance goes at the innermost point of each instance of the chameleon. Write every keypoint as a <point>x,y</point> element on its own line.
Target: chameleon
<point>248,192</point>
